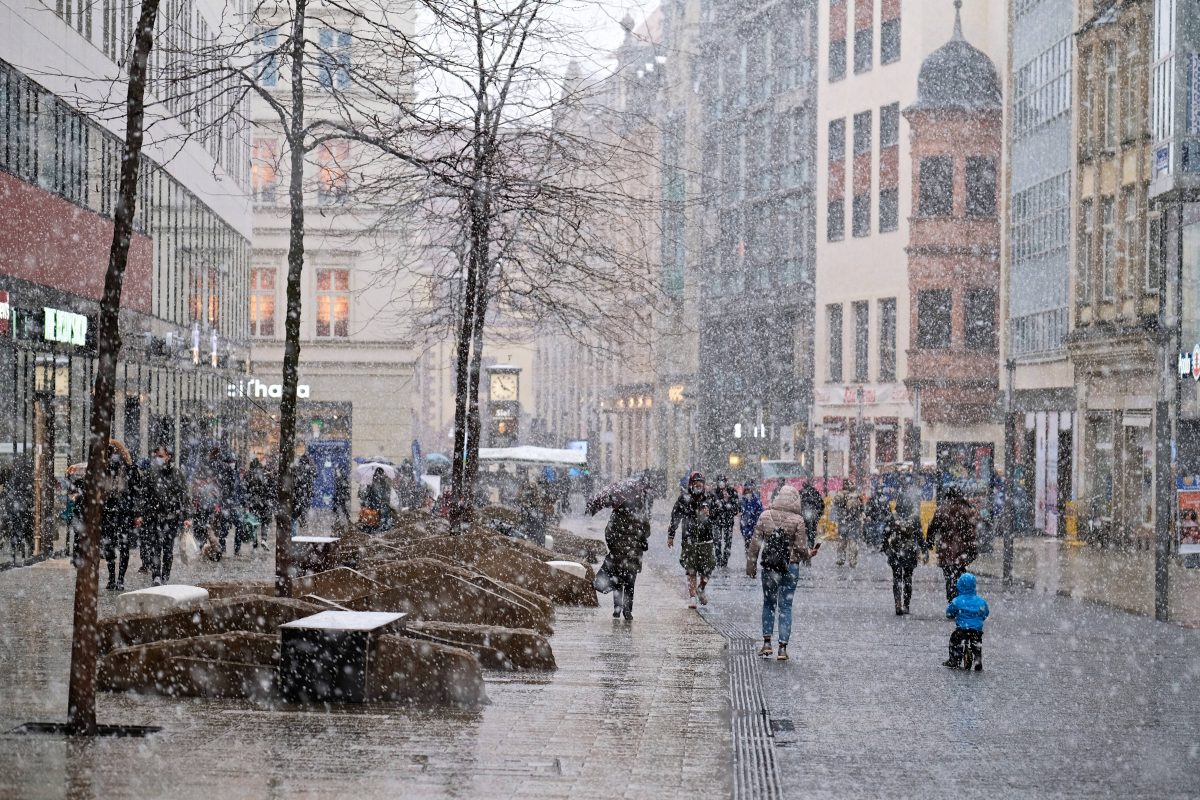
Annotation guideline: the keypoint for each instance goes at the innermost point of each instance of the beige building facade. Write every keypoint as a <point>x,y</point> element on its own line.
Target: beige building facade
<point>357,360</point>
<point>869,56</point>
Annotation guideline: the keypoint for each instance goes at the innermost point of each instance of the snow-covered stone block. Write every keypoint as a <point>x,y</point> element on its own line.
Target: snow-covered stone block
<point>159,599</point>
<point>571,567</point>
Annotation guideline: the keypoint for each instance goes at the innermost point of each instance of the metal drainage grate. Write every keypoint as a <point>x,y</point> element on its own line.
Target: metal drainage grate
<point>756,774</point>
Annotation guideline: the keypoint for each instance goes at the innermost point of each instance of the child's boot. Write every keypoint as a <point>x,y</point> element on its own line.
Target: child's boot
<point>978,653</point>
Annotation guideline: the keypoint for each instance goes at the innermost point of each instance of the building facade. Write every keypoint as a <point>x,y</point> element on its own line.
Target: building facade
<point>1116,339</point>
<point>954,261</point>
<point>1173,229</point>
<point>183,316</point>
<point>756,85</point>
<point>1037,262</point>
<point>357,361</point>
<point>869,55</point>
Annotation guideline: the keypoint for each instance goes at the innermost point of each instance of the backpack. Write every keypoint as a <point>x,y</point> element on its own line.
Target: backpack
<point>777,551</point>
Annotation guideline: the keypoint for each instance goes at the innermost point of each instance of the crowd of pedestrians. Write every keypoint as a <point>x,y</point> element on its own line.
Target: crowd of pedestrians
<point>150,504</point>
<point>783,538</point>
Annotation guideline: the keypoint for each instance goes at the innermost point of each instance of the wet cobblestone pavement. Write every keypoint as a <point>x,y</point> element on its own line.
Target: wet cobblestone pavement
<point>633,711</point>
<point>1077,700</point>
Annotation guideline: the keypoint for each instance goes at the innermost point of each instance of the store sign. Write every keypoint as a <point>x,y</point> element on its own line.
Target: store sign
<point>65,327</point>
<point>256,388</point>
<point>5,313</point>
<point>1189,364</point>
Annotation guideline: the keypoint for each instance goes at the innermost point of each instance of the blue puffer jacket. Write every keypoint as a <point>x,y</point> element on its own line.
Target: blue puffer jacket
<point>969,610</point>
<point>751,510</point>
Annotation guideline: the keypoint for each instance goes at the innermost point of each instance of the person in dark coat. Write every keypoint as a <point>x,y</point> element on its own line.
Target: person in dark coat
<point>341,493</point>
<point>725,511</point>
<point>302,495</point>
<point>17,505</point>
<point>627,536</point>
<point>903,545</point>
<point>813,505</point>
<point>121,512</point>
<point>877,518</point>
<point>952,532</point>
<point>233,501</point>
<point>692,515</point>
<point>260,498</point>
<point>751,510</point>
<point>377,497</point>
<point>166,507</point>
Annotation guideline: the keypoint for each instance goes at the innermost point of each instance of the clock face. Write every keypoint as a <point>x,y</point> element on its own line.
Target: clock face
<point>504,387</point>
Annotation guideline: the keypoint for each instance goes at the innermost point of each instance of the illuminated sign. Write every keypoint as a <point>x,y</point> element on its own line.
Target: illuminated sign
<point>5,313</point>
<point>65,327</point>
<point>256,388</point>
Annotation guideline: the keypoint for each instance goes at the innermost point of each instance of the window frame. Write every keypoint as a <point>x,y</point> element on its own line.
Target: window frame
<point>332,294</point>
<point>940,161</point>
<point>834,356</point>
<point>981,204</point>
<point>925,334</point>
<point>886,368</point>
<point>861,312</point>
<point>257,319</point>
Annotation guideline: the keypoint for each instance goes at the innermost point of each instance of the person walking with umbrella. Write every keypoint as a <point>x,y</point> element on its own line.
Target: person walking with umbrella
<point>692,515</point>
<point>627,536</point>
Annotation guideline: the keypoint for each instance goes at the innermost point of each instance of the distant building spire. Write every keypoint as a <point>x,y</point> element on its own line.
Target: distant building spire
<point>958,34</point>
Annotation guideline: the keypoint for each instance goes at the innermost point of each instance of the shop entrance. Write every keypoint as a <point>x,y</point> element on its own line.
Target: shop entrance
<point>331,456</point>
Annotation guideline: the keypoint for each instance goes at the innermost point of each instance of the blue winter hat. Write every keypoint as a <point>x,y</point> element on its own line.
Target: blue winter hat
<point>966,583</point>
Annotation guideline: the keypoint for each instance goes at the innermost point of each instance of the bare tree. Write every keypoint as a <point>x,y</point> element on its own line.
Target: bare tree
<point>81,702</point>
<point>529,212</point>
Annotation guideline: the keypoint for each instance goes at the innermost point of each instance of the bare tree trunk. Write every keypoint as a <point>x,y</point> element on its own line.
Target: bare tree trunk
<point>81,702</point>
<point>462,497</point>
<point>291,348</point>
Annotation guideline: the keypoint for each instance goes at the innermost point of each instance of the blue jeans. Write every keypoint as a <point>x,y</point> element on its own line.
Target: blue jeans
<point>778,588</point>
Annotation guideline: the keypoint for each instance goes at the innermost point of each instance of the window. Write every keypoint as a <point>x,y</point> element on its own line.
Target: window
<point>262,302</point>
<point>205,301</point>
<point>1110,95</point>
<point>1043,88</point>
<point>1087,112</point>
<point>864,43</point>
<point>887,339</point>
<point>837,220</point>
<point>862,133</point>
<point>1131,114</point>
<point>333,303</point>
<point>981,186</point>
<point>837,140</point>
<point>862,343</point>
<point>333,182</point>
<point>1086,250</point>
<point>333,58</point>
<point>1040,219</point>
<point>264,168</point>
<point>889,210</point>
<point>77,14</point>
<point>889,125</point>
<point>833,318</point>
<point>837,60</point>
<point>889,41</point>
<point>1130,246</point>
<point>860,222</point>
<point>1154,254</point>
<point>933,319</point>
<point>936,186</point>
<point>1108,250</point>
<point>979,314</point>
<point>268,60</point>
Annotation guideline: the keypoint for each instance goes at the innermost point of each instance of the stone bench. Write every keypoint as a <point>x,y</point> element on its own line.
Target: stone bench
<point>326,657</point>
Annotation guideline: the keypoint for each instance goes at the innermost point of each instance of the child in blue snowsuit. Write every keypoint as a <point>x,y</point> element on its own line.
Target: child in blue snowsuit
<point>968,611</point>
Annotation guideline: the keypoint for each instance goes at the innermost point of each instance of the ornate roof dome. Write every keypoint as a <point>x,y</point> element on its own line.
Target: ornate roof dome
<point>957,76</point>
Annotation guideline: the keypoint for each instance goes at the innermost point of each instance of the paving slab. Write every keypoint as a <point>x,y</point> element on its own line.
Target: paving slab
<point>634,711</point>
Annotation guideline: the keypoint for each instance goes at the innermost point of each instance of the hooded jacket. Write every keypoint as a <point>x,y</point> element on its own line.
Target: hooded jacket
<point>968,610</point>
<point>786,512</point>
